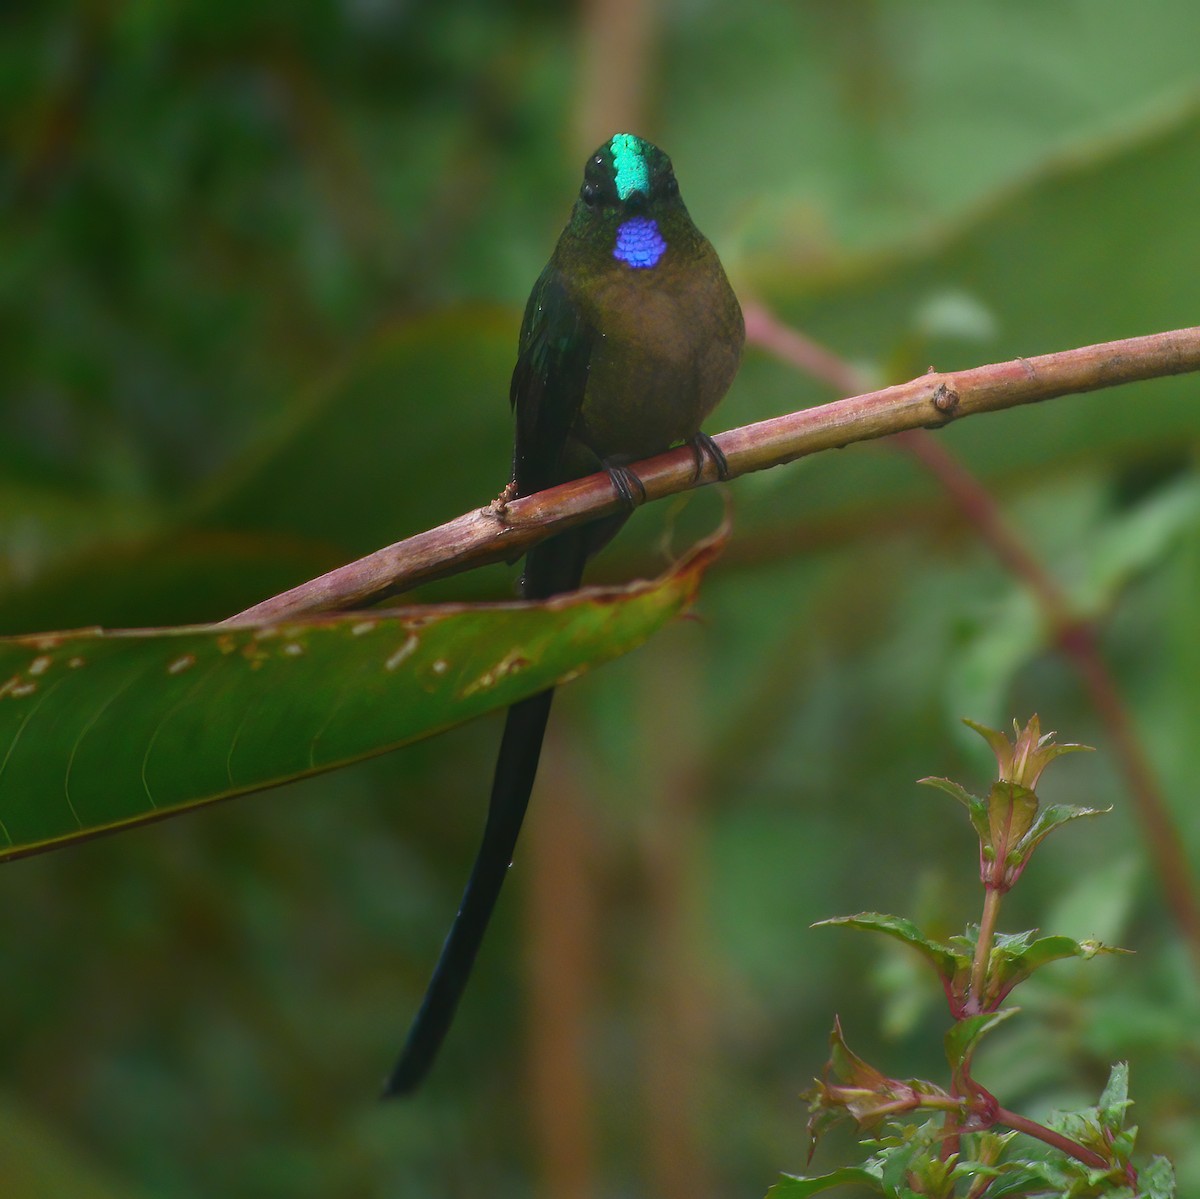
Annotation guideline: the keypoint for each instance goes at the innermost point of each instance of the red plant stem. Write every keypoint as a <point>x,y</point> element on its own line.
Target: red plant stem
<point>1031,1128</point>
<point>952,1135</point>
<point>1074,636</point>
<point>983,948</point>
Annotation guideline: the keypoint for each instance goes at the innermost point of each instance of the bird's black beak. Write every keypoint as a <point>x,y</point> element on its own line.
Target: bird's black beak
<point>636,201</point>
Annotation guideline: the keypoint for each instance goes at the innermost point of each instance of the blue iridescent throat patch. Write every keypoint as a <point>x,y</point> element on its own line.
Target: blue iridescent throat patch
<point>639,243</point>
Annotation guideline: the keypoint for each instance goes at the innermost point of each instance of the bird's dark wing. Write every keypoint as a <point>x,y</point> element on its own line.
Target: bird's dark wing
<point>548,381</point>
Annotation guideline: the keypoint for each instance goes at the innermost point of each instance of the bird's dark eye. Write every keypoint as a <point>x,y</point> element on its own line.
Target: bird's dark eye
<point>671,187</point>
<point>590,193</point>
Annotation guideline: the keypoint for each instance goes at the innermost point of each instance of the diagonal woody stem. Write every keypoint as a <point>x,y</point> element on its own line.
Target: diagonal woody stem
<point>504,533</point>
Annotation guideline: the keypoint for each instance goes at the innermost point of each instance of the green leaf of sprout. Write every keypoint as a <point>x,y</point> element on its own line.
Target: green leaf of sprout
<point>1053,817</point>
<point>997,741</point>
<point>964,797</point>
<point>791,1186</point>
<point>1114,1101</point>
<point>944,959</point>
<point>1023,759</point>
<point>965,1035</point>
<point>1157,1179</point>
<point>1017,957</point>
<point>977,808</point>
<point>1012,810</point>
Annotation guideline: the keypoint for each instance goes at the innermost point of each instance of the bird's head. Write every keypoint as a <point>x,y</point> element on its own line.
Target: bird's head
<point>629,200</point>
<point>630,177</point>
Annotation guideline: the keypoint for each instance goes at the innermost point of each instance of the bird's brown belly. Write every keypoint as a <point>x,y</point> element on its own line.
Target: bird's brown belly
<point>658,371</point>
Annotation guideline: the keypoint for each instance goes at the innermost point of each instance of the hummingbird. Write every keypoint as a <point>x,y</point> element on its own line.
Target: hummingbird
<point>631,336</point>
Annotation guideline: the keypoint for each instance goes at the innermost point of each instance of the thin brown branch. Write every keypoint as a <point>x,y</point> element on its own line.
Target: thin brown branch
<point>1077,639</point>
<point>1174,872</point>
<point>979,508</point>
<point>494,535</point>
<point>764,328</point>
<point>1075,636</point>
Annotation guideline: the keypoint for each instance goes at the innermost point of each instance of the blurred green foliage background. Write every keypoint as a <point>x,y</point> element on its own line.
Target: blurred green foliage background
<point>261,269</point>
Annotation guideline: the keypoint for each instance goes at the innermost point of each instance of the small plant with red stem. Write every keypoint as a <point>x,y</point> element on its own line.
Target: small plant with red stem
<point>958,1141</point>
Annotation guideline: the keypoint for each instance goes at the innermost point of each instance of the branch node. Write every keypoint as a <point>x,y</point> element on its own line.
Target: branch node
<point>945,398</point>
<point>498,508</point>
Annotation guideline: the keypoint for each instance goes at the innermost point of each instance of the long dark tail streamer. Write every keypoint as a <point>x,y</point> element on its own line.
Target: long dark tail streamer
<point>553,567</point>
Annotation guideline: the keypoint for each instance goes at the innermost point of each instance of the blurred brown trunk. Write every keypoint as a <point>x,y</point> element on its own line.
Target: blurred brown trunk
<point>677,1020</point>
<point>617,45</point>
<point>560,913</point>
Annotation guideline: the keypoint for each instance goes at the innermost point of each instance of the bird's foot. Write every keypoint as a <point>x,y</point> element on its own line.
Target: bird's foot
<point>629,488</point>
<point>703,446</point>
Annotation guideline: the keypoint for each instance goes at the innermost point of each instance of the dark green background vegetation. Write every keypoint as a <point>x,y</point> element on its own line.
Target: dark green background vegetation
<point>261,269</point>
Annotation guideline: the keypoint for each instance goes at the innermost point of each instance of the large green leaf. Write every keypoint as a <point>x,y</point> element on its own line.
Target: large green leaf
<point>104,729</point>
